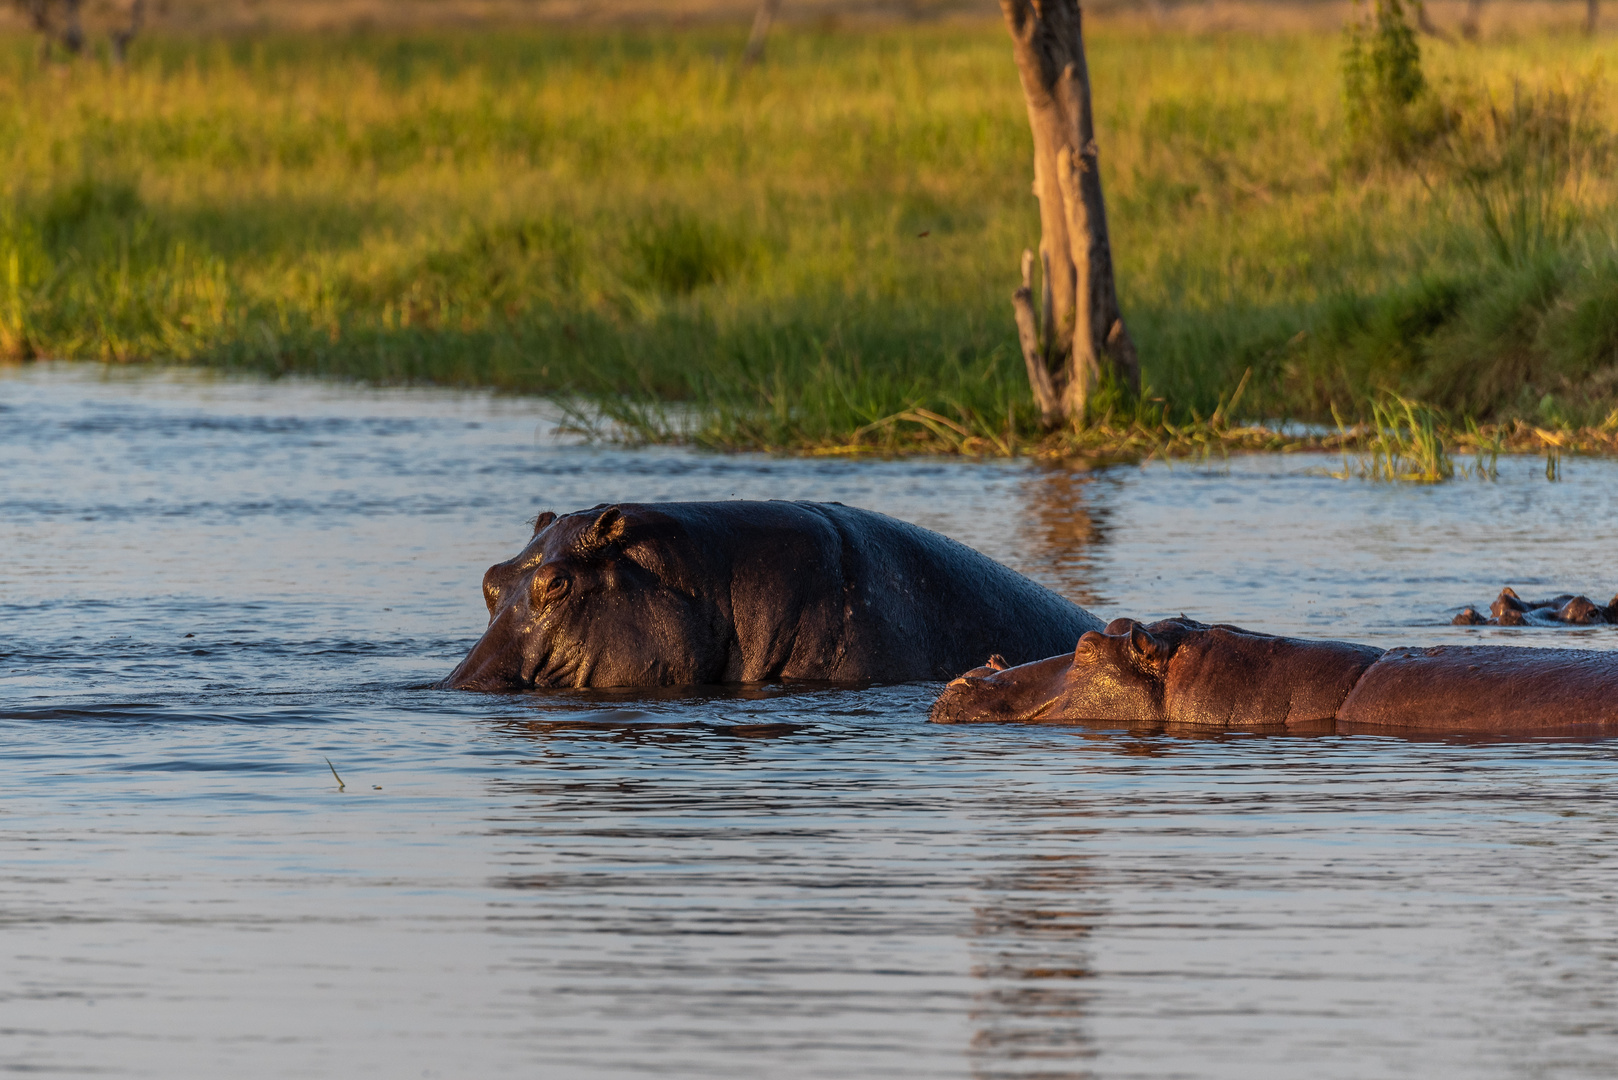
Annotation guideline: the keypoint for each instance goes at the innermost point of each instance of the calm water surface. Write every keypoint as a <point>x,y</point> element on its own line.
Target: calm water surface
<point>209,587</point>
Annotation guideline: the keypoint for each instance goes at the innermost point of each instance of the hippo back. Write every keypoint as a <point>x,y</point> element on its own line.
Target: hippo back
<point>919,605</point>
<point>1227,677</point>
<point>1486,690</point>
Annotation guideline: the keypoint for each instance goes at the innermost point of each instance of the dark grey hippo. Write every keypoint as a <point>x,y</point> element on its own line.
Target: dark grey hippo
<point>682,594</point>
<point>1183,672</point>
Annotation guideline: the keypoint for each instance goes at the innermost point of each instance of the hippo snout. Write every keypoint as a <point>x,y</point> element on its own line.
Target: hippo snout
<point>966,698</point>
<point>999,693</point>
<point>495,662</point>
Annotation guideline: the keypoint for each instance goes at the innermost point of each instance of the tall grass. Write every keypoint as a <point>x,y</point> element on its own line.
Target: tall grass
<point>795,252</point>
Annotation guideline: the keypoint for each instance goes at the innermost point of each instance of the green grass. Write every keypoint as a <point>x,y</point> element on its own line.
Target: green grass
<point>794,252</point>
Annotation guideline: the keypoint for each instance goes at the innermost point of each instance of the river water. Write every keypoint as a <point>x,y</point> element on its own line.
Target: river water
<point>209,587</point>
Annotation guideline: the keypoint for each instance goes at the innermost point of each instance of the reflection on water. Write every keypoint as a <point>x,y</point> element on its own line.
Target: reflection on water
<point>211,586</point>
<point>1067,522</point>
<point>1030,950</point>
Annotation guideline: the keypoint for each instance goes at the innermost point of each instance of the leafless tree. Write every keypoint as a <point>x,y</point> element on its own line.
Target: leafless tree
<point>58,23</point>
<point>61,22</point>
<point>1078,331</point>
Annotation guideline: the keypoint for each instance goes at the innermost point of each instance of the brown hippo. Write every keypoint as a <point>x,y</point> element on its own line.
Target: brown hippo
<point>1223,677</point>
<point>678,594</point>
<point>1509,609</point>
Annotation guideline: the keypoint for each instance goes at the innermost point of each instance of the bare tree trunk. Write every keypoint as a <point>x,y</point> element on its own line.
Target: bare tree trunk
<point>1592,13</point>
<point>1083,329</point>
<point>72,34</point>
<point>1470,22</point>
<point>122,37</point>
<point>762,20</point>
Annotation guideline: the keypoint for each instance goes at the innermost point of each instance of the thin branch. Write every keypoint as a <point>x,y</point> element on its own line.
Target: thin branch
<point>1039,377</point>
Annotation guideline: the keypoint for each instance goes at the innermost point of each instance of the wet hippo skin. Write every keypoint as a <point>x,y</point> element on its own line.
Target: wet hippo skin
<point>1182,672</point>
<point>678,594</point>
<point>1486,689</point>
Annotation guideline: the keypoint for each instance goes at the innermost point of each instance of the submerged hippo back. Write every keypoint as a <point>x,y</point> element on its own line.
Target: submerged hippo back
<point>1486,690</point>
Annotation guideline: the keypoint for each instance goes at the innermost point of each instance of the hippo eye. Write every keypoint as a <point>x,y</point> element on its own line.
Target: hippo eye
<point>551,586</point>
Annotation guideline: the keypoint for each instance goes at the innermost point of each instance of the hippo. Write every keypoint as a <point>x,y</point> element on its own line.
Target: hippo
<point>686,594</point>
<point>1509,609</point>
<point>1183,672</point>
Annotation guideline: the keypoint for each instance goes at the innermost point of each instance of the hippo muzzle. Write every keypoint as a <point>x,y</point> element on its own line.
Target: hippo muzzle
<point>997,693</point>
<point>496,662</point>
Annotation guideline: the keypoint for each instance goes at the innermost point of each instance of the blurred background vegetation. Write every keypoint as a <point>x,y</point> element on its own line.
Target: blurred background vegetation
<point>602,201</point>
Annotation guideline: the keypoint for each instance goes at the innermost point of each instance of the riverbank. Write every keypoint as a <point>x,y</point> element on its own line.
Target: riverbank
<point>814,253</point>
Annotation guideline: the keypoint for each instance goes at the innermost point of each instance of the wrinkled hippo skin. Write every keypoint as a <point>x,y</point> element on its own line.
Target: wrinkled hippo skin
<point>685,594</point>
<point>1509,609</point>
<point>1181,672</point>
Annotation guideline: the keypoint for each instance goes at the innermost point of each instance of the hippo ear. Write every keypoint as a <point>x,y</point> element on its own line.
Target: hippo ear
<point>1144,646</point>
<point>603,531</point>
<point>543,521</point>
<point>1087,648</point>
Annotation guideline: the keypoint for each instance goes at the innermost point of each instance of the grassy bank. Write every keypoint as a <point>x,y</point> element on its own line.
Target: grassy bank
<point>817,247</point>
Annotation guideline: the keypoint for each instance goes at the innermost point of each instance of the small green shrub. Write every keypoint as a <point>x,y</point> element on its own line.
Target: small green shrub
<point>678,253</point>
<point>87,206</point>
<point>493,271</point>
<point>1580,334</point>
<point>1486,357</point>
<point>1389,106</point>
<point>1520,165</point>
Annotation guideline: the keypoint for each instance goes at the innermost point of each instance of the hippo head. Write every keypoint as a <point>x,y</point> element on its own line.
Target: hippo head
<point>1177,672</point>
<point>1115,675</point>
<point>593,600</point>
